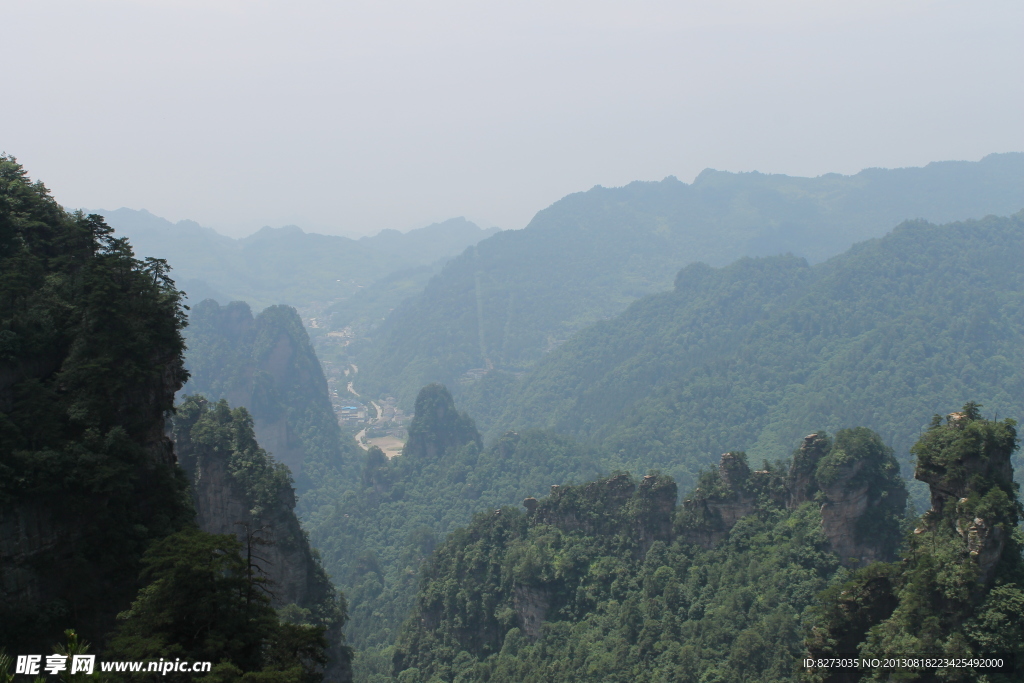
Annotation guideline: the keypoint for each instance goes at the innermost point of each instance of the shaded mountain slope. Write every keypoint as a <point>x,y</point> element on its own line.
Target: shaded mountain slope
<point>519,294</point>
<point>750,355</point>
<point>90,358</point>
<point>267,365</point>
<point>287,265</point>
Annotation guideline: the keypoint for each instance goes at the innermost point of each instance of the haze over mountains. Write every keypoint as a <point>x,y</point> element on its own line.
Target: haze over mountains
<point>753,355</point>
<point>750,349</point>
<point>519,294</point>
<point>286,265</point>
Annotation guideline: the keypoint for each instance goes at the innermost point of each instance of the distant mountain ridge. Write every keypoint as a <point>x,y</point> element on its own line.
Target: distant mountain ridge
<point>753,355</point>
<point>516,295</point>
<point>285,265</point>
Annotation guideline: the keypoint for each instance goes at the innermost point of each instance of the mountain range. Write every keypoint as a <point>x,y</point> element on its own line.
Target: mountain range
<point>512,298</point>
<point>286,265</point>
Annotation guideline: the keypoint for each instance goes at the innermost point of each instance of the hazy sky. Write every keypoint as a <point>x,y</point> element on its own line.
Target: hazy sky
<point>349,117</point>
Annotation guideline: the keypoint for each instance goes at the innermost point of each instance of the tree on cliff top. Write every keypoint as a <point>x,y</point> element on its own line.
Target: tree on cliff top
<point>959,589</point>
<point>202,603</point>
<point>90,358</point>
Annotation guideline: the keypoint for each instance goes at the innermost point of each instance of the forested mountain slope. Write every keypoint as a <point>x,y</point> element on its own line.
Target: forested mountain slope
<point>90,358</point>
<point>286,265</point>
<point>518,294</point>
<point>267,365</point>
<point>99,548</point>
<point>375,533</point>
<point>612,581</point>
<point>752,355</point>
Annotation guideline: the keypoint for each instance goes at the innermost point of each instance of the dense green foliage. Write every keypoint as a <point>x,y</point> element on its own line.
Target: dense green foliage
<point>520,293</point>
<point>752,355</point>
<point>200,428</point>
<point>623,596</point>
<point>203,432</point>
<point>611,582</point>
<point>376,534</point>
<point>90,358</point>
<point>203,601</point>
<point>959,591</point>
<point>287,265</point>
<point>267,365</point>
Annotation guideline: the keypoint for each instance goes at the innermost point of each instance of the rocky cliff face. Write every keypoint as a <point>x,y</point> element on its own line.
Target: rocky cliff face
<point>531,605</point>
<point>612,506</point>
<point>853,479</point>
<point>966,464</point>
<point>90,358</point>
<point>719,502</point>
<point>239,489</point>
<point>267,365</point>
<point>285,555</point>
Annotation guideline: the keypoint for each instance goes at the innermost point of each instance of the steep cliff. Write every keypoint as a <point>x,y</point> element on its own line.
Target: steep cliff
<point>611,580</point>
<point>957,589</point>
<point>239,489</point>
<point>267,365</point>
<point>853,481</point>
<point>90,359</point>
<point>616,506</point>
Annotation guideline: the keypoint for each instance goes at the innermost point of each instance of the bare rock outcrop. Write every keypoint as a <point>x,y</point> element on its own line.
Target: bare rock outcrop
<point>531,605</point>
<point>238,489</point>
<point>284,554</point>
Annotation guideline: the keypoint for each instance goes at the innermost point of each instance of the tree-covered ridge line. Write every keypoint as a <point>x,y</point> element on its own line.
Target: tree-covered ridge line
<point>612,582</point>
<point>519,294</point>
<point>749,355</point>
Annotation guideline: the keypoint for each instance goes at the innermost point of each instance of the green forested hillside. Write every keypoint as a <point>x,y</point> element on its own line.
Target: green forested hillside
<point>267,365</point>
<point>750,575</point>
<point>367,308</point>
<point>613,582</point>
<point>375,533</point>
<point>90,358</point>
<point>287,265</point>
<point>521,293</point>
<point>99,550</point>
<point>753,355</point>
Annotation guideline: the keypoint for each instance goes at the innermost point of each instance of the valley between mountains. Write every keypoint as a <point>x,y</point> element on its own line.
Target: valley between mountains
<point>666,432</point>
